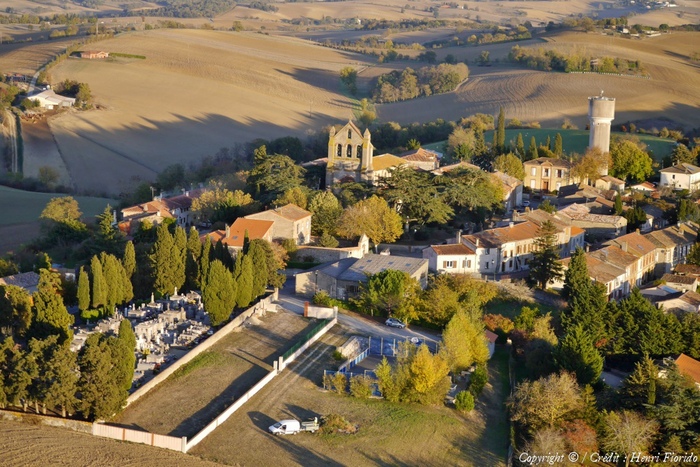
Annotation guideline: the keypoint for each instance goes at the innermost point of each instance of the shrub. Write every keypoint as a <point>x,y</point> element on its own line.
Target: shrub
<point>464,402</point>
<point>335,423</point>
<point>478,380</point>
<point>289,245</point>
<point>338,356</point>
<point>361,387</point>
<point>339,383</point>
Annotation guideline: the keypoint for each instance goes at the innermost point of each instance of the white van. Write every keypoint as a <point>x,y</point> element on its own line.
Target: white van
<point>285,427</point>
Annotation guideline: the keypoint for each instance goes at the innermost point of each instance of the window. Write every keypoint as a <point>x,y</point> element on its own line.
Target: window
<point>546,172</point>
<point>359,151</point>
<point>349,134</point>
<point>533,171</point>
<point>532,184</point>
<point>467,263</point>
<point>560,173</point>
<point>449,264</point>
<point>558,185</point>
<point>673,176</point>
<point>488,251</point>
<point>349,151</point>
<point>353,289</point>
<point>340,150</point>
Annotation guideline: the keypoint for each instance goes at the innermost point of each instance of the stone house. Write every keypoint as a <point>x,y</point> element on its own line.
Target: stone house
<point>608,182</point>
<point>680,283</point>
<point>641,270</point>
<point>324,255</point>
<point>289,222</point>
<point>421,159</point>
<point>547,174</point>
<point>598,226</point>
<point>342,279</point>
<point>177,207</point>
<point>687,302</point>
<point>672,245</point>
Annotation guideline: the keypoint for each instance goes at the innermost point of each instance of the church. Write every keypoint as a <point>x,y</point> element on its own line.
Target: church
<point>351,157</point>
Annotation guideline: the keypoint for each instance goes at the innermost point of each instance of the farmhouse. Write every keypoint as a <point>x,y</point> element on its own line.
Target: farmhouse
<point>176,207</point>
<point>683,176</point>
<point>596,225</point>
<point>456,258</point>
<point>50,100</point>
<point>289,222</point>
<point>342,279</point>
<point>93,54</point>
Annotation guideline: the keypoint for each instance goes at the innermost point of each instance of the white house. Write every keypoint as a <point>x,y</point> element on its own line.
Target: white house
<point>683,176</point>
<point>456,258</point>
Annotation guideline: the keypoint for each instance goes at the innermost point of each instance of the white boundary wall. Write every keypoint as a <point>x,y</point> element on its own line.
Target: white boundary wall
<point>142,437</point>
<point>258,308</point>
<point>255,389</point>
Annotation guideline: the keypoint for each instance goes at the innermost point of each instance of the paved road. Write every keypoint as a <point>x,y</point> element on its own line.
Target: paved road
<point>360,324</point>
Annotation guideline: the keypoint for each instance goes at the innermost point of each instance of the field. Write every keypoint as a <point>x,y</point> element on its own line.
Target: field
<point>25,444</point>
<point>183,405</point>
<point>196,92</point>
<point>389,434</point>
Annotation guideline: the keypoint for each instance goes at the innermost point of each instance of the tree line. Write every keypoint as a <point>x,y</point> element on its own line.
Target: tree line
<point>409,84</point>
<point>552,60</point>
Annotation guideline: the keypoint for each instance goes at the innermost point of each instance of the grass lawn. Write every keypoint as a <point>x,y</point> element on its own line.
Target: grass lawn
<point>510,307</point>
<point>18,206</point>
<point>573,140</point>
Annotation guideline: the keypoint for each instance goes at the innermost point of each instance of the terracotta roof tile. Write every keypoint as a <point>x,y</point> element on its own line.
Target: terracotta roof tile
<point>419,155</point>
<point>453,249</point>
<point>549,161</point>
<point>386,161</point>
<point>256,229</point>
<point>689,366</point>
<point>676,279</point>
<point>688,269</point>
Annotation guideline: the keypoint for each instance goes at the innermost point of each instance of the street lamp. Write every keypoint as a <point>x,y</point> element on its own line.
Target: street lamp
<point>316,282</point>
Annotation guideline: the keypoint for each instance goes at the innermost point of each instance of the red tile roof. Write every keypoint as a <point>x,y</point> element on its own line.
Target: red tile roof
<point>257,229</point>
<point>689,367</point>
<point>453,249</point>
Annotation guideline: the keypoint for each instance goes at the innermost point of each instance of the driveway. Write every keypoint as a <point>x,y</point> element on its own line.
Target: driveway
<point>359,324</point>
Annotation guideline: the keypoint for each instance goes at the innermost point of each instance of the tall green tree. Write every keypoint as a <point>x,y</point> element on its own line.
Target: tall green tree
<point>463,343</point>
<point>532,150</point>
<point>101,394</point>
<point>520,146</point>
<point>586,300</point>
<point>51,314</point>
<point>219,293</point>
<point>205,261</point>
<point>193,255</point>
<point>18,370</point>
<point>60,221</point>
<point>629,160</point>
<point>113,280</point>
<point>558,146</point>
<point>272,175</point>
<point>54,384</point>
<point>180,256</point>
<point>618,205</point>
<point>244,281</point>
<point>99,284</point>
<point>273,261</point>
<point>391,293</point>
<point>510,164</point>
<point>326,211</point>
<point>415,196</point>
<point>83,290</point>
<point>577,354</point>
<point>259,259</point>
<point>124,347</point>
<point>129,259</point>
<point>545,265</point>
<point>16,313</point>
<point>108,237</point>
<point>372,217</point>
<point>501,132</point>
<point>640,387</point>
<point>164,260</point>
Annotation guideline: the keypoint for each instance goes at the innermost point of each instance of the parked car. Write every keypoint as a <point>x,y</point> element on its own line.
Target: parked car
<point>395,323</point>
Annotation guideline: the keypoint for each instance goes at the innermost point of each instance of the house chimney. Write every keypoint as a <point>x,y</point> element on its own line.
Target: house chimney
<point>511,224</point>
<point>624,246</point>
<point>459,237</point>
<point>228,231</point>
<point>477,243</point>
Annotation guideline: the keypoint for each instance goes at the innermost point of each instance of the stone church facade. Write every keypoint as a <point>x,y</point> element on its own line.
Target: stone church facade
<point>350,154</point>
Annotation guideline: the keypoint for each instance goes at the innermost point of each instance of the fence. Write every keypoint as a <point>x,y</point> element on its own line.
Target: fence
<point>351,363</point>
<point>289,356</point>
<point>142,437</point>
<point>259,307</point>
<point>305,339</point>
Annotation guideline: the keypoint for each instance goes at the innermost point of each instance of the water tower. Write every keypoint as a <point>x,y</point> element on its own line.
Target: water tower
<point>601,112</point>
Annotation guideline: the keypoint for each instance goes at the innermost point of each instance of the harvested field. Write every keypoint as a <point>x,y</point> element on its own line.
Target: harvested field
<point>389,434</point>
<point>548,97</point>
<point>41,150</point>
<point>24,444</point>
<point>15,235</point>
<point>196,92</point>
<point>190,399</point>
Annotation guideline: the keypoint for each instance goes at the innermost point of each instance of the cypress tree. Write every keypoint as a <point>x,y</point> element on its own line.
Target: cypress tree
<point>587,301</point>
<point>618,204</point>
<point>129,259</point>
<point>127,288</point>
<point>558,146</point>
<point>164,269</point>
<point>576,353</point>
<point>501,132</point>
<point>244,282</point>
<point>125,360</point>
<point>59,376</point>
<point>113,280</point>
<point>545,265</point>
<point>204,262</point>
<point>83,290</point>
<point>51,314</point>
<point>99,286</point>
<point>219,294</point>
<point>179,256</point>
<point>194,252</point>
<point>520,146</point>
<point>532,150</point>
<point>259,259</point>
<point>548,143</point>
<point>100,391</point>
